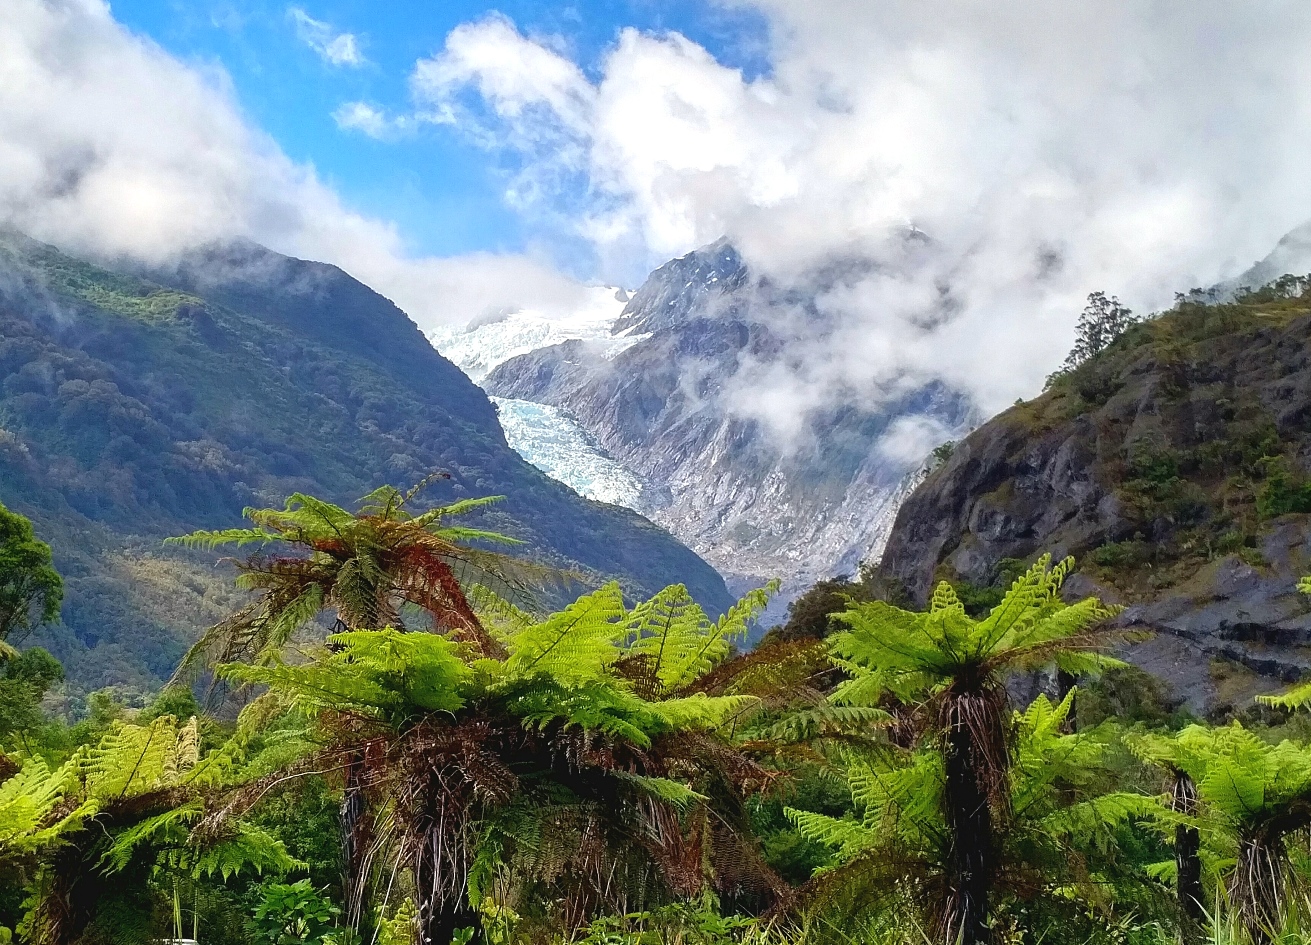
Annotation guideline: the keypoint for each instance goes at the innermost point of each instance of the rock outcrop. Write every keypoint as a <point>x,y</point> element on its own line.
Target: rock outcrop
<point>1174,466</point>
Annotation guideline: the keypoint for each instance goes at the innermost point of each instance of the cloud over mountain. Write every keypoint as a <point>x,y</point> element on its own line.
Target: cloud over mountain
<point>1045,150</point>
<point>1041,152</point>
<point>109,145</point>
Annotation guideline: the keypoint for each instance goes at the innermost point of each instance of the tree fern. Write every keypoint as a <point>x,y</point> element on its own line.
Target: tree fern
<point>558,728</point>
<point>363,566</point>
<point>950,671</point>
<point>1253,795</point>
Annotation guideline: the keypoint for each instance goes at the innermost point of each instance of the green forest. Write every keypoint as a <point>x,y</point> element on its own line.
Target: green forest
<point>391,739</point>
<point>443,764</point>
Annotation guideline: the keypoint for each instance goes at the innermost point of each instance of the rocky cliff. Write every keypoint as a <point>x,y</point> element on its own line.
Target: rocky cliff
<point>668,406</point>
<point>1176,467</point>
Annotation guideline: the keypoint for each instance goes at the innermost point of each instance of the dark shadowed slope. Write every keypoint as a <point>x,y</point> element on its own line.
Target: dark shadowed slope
<point>132,409</point>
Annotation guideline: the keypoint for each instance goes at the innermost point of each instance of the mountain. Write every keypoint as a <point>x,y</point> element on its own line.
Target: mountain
<point>661,405</point>
<point>136,405</point>
<point>1176,467</point>
<point>1292,254</point>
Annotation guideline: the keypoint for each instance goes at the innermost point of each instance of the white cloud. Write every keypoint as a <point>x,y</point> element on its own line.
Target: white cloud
<point>362,117</point>
<point>908,440</point>
<point>525,83</point>
<point>1048,150</point>
<point>338,49</point>
<point>110,146</point>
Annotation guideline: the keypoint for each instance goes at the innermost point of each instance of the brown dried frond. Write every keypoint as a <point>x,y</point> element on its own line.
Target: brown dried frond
<point>984,712</point>
<point>639,671</point>
<point>779,674</point>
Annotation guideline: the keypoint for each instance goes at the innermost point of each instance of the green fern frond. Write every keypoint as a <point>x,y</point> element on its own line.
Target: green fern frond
<point>663,789</point>
<point>28,804</point>
<point>847,838</point>
<point>170,827</point>
<point>208,540</point>
<point>574,645</point>
<point>1299,697</point>
<point>829,721</point>
<point>679,643</point>
<point>251,848</point>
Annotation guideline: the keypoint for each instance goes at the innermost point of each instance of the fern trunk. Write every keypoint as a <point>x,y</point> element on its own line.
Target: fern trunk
<point>970,857</point>
<point>1258,884</point>
<point>439,924</point>
<point>1187,853</point>
<point>354,838</point>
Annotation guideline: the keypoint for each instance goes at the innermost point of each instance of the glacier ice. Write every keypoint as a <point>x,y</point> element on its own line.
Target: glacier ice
<point>558,445</point>
<point>545,436</point>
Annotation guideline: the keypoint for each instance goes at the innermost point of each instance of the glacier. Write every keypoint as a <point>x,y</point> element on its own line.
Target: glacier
<point>549,437</point>
<point>558,445</point>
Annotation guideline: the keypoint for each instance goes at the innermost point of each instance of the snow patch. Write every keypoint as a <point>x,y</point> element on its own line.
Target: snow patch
<point>481,345</point>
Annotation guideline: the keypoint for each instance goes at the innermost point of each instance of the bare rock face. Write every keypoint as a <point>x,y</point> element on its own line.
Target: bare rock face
<point>669,408</point>
<point>1174,467</point>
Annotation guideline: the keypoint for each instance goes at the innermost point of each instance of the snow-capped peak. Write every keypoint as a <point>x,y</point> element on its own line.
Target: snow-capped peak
<point>481,345</point>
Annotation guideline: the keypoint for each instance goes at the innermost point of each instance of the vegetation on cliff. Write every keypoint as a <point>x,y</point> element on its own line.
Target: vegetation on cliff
<point>1172,461</point>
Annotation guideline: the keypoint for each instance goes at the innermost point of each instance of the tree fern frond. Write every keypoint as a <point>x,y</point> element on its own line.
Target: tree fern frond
<point>208,540</point>
<point>1298,697</point>
<point>169,827</point>
<point>249,848</point>
<point>829,721</point>
<point>663,789</point>
<point>576,644</point>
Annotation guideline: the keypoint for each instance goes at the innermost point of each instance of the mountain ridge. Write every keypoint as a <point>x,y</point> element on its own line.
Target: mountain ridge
<point>133,409</point>
<point>721,482</point>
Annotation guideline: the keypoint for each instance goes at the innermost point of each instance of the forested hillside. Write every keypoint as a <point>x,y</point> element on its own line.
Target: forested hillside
<point>137,406</point>
<point>1176,465</point>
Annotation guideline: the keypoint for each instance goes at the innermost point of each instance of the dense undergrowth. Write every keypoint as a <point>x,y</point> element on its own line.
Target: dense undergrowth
<point>447,765</point>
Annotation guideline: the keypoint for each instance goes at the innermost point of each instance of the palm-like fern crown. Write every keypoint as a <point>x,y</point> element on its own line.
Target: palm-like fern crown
<point>1241,779</point>
<point>890,651</point>
<point>575,667</point>
<point>363,565</point>
<point>900,838</point>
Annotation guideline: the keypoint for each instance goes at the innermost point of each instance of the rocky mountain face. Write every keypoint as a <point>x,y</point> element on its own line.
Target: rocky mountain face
<point>137,405</point>
<point>754,506</point>
<point>1176,467</point>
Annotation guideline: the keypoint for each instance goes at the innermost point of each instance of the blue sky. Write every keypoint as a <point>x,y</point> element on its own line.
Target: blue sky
<point>443,191</point>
